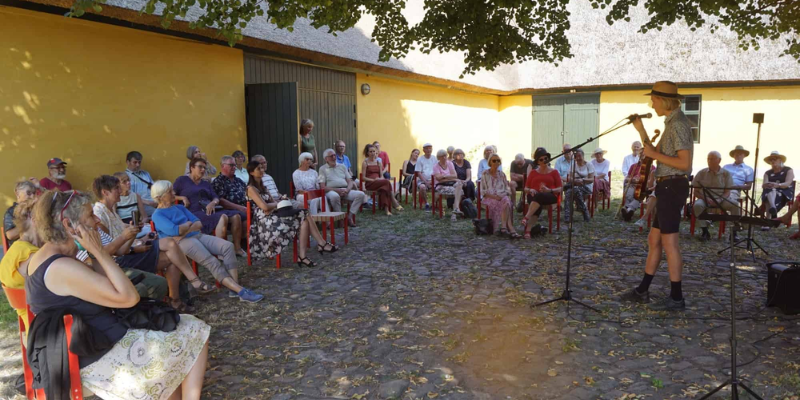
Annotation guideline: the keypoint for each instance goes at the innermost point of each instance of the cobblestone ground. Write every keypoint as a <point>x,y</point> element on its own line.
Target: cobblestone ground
<point>420,308</point>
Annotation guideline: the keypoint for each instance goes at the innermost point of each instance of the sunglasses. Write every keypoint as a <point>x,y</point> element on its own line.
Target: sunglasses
<point>496,161</point>
<point>55,195</point>
<point>542,159</point>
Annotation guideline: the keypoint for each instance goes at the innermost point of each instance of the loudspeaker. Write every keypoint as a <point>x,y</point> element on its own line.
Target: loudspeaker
<point>783,279</point>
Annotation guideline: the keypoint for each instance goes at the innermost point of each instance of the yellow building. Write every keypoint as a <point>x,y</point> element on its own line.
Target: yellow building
<point>89,90</point>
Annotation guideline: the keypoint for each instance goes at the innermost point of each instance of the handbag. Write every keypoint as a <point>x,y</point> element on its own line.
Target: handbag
<point>469,209</point>
<point>483,226</point>
<point>150,314</point>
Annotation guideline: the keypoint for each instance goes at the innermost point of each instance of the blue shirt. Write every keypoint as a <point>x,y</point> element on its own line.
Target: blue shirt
<point>169,220</point>
<point>741,173</point>
<point>140,183</point>
<point>563,166</point>
<point>344,160</point>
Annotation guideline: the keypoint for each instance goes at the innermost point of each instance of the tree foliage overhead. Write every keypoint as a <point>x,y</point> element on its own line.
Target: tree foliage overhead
<point>490,32</point>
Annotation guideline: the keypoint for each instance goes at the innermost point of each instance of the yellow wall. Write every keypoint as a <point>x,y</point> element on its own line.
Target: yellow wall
<point>516,122</point>
<point>89,93</point>
<point>403,116</point>
<point>725,121</point>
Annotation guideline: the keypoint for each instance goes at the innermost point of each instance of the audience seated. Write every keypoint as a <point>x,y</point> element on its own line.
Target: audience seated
<point>276,223</point>
<point>199,197</point>
<point>175,221</point>
<point>373,180</point>
<point>707,186</point>
<point>307,143</point>
<point>141,181</point>
<point>342,158</point>
<point>384,159</point>
<point>601,167</point>
<point>464,172</point>
<point>424,166</point>
<point>563,164</point>
<point>409,166</point>
<point>163,362</point>
<point>580,187</point>
<point>241,170</point>
<point>305,179</point>
<point>631,159</point>
<point>495,192</point>
<point>483,165</point>
<point>24,190</point>
<point>742,174</point>
<point>447,182</point>
<point>632,182</point>
<point>519,168</point>
<point>154,255</point>
<point>193,152</point>
<point>129,202</point>
<point>777,186</point>
<point>542,188</point>
<point>15,261</point>
<point>335,179</point>
<point>57,176</point>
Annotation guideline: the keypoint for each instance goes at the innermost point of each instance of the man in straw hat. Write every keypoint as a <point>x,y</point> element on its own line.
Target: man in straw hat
<point>743,174</point>
<point>674,158</point>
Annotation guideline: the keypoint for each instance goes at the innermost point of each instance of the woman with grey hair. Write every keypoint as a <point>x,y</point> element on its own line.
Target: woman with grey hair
<point>307,144</point>
<point>24,190</point>
<point>374,181</point>
<point>306,178</point>
<point>464,172</point>
<point>450,150</point>
<point>447,182</point>
<point>580,187</point>
<point>194,152</point>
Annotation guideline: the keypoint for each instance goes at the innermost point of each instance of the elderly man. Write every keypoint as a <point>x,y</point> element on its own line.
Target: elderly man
<point>742,173</point>
<point>241,171</point>
<point>631,159</point>
<point>337,183</point>
<point>424,166</point>
<point>231,190</point>
<point>563,164</point>
<point>713,189</point>
<point>141,181</point>
<point>519,170</point>
<point>57,170</point>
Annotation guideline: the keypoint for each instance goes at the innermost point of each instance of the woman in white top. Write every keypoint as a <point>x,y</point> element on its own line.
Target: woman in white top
<point>601,167</point>
<point>306,178</point>
<point>581,186</point>
<point>129,201</point>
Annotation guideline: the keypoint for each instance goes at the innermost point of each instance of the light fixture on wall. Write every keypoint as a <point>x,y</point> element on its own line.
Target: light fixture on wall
<point>365,89</point>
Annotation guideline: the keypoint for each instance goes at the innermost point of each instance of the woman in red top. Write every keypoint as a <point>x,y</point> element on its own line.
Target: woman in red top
<point>542,187</point>
<point>373,180</point>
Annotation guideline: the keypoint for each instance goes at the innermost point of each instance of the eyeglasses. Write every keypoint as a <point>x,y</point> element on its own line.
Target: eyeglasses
<point>59,167</point>
<point>198,166</point>
<point>230,165</point>
<point>542,159</point>
<point>262,163</point>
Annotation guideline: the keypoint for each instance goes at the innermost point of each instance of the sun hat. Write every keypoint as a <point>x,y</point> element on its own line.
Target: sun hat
<point>739,148</point>
<point>665,89</point>
<point>775,154</point>
<point>539,153</point>
<point>427,145</point>
<point>285,209</point>
<point>599,150</point>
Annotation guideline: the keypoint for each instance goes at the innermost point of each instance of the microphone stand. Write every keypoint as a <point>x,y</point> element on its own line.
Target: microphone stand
<point>566,295</point>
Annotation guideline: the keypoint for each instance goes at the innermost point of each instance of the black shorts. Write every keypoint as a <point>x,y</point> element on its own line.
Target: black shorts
<point>544,199</point>
<point>147,261</point>
<point>671,195</point>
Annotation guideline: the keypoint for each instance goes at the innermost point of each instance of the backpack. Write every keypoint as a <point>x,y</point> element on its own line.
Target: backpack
<point>483,226</point>
<point>469,209</point>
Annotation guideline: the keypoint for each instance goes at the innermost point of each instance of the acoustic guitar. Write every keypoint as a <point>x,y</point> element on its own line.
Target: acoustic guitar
<point>645,165</point>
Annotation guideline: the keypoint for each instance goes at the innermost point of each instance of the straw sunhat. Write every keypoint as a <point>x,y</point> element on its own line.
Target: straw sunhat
<point>775,154</point>
<point>739,148</point>
<point>665,89</point>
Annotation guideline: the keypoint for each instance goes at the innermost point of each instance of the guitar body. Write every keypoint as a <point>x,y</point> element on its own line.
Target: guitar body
<point>645,167</point>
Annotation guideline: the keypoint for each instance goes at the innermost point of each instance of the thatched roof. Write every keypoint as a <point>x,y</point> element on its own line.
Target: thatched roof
<point>604,55</point>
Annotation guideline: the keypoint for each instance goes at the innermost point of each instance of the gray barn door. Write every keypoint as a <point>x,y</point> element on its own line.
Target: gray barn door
<point>326,96</point>
<point>272,126</point>
<point>562,119</point>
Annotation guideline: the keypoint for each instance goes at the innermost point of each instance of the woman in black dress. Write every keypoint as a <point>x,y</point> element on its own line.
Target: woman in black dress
<point>778,189</point>
<point>464,172</point>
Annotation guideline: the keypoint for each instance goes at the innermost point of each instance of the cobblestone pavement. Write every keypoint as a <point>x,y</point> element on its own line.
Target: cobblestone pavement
<point>420,308</point>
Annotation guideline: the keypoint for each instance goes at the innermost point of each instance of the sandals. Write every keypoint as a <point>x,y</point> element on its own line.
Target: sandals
<point>203,288</point>
<point>327,248</point>
<point>306,262</point>
<point>180,306</point>
<point>399,208</point>
<point>515,236</point>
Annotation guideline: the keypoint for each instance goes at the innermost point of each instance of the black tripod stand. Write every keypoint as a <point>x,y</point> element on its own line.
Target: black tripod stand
<point>566,295</point>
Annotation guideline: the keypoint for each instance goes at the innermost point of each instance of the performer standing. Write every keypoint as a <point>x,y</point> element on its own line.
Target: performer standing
<point>674,157</point>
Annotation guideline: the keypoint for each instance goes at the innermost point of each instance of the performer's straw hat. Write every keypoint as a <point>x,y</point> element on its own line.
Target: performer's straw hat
<point>739,149</point>
<point>775,154</point>
<point>665,89</point>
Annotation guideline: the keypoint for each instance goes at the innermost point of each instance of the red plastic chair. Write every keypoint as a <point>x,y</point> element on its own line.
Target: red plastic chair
<point>413,182</point>
<point>16,298</point>
<point>5,240</point>
<point>694,217</point>
<point>549,211</point>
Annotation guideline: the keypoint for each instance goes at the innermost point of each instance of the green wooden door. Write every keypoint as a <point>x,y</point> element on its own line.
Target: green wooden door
<point>560,119</point>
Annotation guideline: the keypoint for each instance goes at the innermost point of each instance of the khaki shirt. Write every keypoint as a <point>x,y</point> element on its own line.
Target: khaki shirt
<point>707,178</point>
<point>334,177</point>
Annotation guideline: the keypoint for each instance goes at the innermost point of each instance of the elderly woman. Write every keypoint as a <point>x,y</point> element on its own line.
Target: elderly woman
<point>542,188</point>
<point>16,258</point>
<point>484,164</point>
<point>24,190</point>
<point>163,254</point>
<point>194,152</point>
<point>199,197</point>
<point>163,364</point>
<point>271,232</point>
<point>307,144</point>
<point>601,167</point>
<point>175,221</point>
<point>447,182</point>
<point>305,179</point>
<point>374,181</point>
<point>495,191</point>
<point>464,172</point>
<point>450,150</point>
<point>240,159</point>
<point>580,187</point>
<point>409,166</point>
<point>777,185</point>
<point>129,202</point>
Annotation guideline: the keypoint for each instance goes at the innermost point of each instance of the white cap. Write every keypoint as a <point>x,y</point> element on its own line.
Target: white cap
<point>427,145</point>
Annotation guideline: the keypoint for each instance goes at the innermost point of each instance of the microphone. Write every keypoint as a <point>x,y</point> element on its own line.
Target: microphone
<point>634,116</point>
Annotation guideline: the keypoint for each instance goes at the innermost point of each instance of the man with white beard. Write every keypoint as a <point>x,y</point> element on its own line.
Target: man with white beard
<point>57,176</point>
